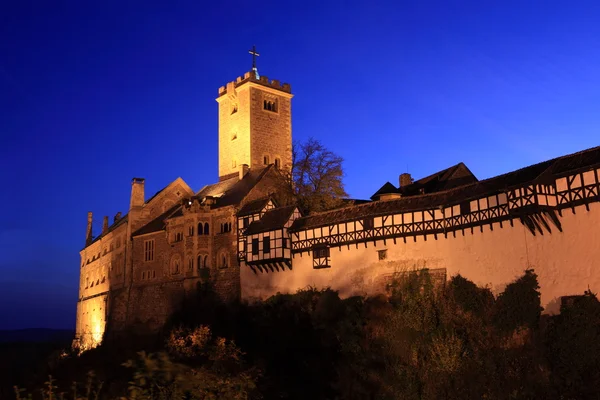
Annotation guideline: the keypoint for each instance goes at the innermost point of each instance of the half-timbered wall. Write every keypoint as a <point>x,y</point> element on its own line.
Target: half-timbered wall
<point>491,241</point>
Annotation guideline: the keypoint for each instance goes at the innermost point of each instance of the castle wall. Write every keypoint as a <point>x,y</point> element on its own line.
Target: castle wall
<point>566,262</point>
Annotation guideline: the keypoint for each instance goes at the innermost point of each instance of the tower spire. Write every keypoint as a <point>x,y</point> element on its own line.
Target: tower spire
<point>254,55</point>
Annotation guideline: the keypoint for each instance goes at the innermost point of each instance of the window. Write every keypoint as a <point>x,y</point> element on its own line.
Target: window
<point>206,265</point>
<point>143,274</point>
<point>270,105</point>
<point>266,160</point>
<point>206,228</point>
<point>254,247</point>
<point>223,261</point>
<point>199,262</point>
<point>178,237</point>
<point>277,163</point>
<point>284,243</point>
<point>149,250</point>
<point>234,107</point>
<point>321,256</point>
<point>154,273</point>
<point>465,208</point>
<point>199,228</point>
<point>190,264</point>
<point>321,252</point>
<point>382,254</point>
<point>368,223</point>
<point>191,231</point>
<point>246,222</point>
<point>266,245</point>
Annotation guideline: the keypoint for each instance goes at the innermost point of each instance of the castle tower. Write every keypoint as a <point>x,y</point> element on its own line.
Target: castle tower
<point>255,124</point>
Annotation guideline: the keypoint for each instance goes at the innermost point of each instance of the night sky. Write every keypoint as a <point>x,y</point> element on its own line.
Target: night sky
<point>93,95</point>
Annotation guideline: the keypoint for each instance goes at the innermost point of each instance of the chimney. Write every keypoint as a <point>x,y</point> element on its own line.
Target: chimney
<point>88,235</point>
<point>137,193</point>
<point>117,217</point>
<point>243,170</point>
<point>405,179</point>
<point>105,225</point>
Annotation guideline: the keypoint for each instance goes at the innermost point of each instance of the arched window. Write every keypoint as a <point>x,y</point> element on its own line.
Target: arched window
<point>223,260</point>
<point>266,160</point>
<point>206,228</point>
<point>199,228</point>
<point>277,163</point>
<point>176,264</point>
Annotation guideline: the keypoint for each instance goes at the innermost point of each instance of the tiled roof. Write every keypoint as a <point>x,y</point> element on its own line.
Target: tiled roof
<point>228,192</point>
<point>253,207</point>
<point>455,195</point>
<point>158,223</point>
<point>232,191</point>
<point>273,219</point>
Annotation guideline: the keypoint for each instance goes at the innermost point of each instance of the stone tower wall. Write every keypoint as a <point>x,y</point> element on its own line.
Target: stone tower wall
<point>271,134</point>
<point>247,131</point>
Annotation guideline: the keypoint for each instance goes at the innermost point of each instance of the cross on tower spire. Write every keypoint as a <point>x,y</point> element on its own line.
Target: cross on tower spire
<point>254,55</point>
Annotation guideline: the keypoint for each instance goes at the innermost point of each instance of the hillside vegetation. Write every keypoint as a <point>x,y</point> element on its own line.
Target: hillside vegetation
<point>418,342</point>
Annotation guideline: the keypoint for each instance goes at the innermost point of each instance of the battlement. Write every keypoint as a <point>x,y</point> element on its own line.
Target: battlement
<point>262,80</point>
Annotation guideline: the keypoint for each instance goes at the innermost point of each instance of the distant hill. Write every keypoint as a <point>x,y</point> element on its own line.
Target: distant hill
<point>36,335</point>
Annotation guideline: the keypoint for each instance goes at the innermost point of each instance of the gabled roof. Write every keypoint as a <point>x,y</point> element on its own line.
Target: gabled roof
<point>253,207</point>
<point>158,223</point>
<point>454,176</point>
<point>178,180</point>
<point>273,219</point>
<point>455,195</point>
<point>232,191</point>
<point>387,188</point>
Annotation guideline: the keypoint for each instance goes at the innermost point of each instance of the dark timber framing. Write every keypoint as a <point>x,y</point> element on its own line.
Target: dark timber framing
<point>536,205</point>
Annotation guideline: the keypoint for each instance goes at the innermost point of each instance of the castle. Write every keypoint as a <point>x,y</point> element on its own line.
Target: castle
<point>236,234</point>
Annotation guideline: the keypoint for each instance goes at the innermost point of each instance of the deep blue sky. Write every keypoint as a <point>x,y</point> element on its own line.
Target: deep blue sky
<point>92,95</point>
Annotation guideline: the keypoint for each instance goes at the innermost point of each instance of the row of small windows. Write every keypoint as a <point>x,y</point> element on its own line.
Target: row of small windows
<point>148,275</point>
<point>108,249</point>
<point>266,245</point>
<point>226,227</point>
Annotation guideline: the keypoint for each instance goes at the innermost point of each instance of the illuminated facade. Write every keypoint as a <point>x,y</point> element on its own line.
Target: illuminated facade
<point>240,234</point>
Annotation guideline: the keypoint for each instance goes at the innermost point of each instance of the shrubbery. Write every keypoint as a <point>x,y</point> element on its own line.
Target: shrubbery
<point>419,342</point>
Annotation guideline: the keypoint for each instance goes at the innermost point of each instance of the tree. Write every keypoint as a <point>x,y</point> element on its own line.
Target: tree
<point>316,177</point>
